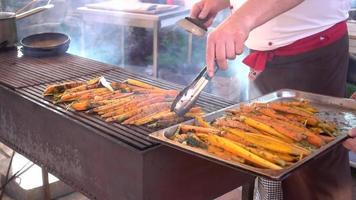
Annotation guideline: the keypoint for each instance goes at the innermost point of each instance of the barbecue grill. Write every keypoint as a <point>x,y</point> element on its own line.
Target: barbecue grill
<point>101,160</point>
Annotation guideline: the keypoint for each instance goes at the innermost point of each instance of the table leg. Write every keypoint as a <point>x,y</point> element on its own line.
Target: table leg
<point>190,46</point>
<point>248,190</point>
<point>155,51</point>
<point>46,190</point>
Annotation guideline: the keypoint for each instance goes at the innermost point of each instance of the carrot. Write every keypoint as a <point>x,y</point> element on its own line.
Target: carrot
<point>219,152</point>
<point>156,116</point>
<point>197,129</point>
<point>144,111</point>
<point>282,128</point>
<point>271,113</point>
<point>141,84</point>
<point>61,87</point>
<point>230,122</point>
<point>71,96</point>
<point>292,128</point>
<point>237,150</point>
<point>267,155</point>
<point>311,120</point>
<point>327,138</point>
<point>315,140</point>
<point>237,139</point>
<point>264,127</point>
<point>267,142</point>
<point>286,157</point>
<point>81,105</point>
<point>290,110</point>
<point>134,104</point>
<point>201,121</point>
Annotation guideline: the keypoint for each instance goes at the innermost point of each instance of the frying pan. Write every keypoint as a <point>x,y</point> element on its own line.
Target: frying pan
<point>45,44</point>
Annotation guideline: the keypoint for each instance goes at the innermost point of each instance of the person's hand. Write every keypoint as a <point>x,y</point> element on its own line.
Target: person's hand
<point>351,142</point>
<point>225,42</point>
<point>208,9</point>
<point>353,96</point>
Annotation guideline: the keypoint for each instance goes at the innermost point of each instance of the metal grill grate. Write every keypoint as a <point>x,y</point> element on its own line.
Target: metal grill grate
<point>17,72</point>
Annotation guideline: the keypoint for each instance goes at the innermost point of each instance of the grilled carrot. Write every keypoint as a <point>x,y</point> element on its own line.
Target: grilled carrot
<point>71,96</point>
<point>61,87</point>
<point>237,150</point>
<point>141,84</point>
<point>156,116</point>
<point>271,113</point>
<point>221,153</point>
<point>232,123</point>
<point>197,129</point>
<point>147,110</point>
<point>201,121</point>
<point>81,105</point>
<point>270,143</point>
<point>287,109</point>
<point>264,127</point>
<point>267,155</point>
<point>283,128</point>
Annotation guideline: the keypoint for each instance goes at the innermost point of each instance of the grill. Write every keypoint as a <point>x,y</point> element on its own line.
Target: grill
<point>101,160</point>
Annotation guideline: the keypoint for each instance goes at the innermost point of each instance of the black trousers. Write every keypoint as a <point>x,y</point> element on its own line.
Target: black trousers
<point>321,71</point>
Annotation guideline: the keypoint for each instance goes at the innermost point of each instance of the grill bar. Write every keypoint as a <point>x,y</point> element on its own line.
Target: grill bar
<point>17,72</point>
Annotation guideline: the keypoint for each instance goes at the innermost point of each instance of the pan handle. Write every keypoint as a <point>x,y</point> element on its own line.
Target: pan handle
<point>34,11</point>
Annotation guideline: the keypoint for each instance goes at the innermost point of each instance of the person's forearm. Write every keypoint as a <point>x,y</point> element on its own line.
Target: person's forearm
<point>254,13</point>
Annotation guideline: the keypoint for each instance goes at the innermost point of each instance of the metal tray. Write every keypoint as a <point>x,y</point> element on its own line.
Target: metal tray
<point>338,110</point>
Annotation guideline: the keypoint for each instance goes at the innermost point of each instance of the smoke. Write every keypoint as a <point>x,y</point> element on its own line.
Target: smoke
<point>104,40</point>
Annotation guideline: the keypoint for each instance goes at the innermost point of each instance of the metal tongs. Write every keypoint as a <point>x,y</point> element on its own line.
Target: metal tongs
<point>189,95</point>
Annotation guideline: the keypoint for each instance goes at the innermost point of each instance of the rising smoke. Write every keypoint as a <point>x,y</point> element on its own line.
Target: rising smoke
<point>103,42</point>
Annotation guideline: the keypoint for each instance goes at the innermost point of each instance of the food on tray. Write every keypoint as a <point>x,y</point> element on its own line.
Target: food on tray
<point>265,135</point>
<point>132,102</point>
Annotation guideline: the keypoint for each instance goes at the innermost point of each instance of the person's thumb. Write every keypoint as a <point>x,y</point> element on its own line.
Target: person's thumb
<point>204,12</point>
<point>352,132</point>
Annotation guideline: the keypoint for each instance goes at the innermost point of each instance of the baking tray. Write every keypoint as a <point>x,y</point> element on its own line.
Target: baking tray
<point>338,110</point>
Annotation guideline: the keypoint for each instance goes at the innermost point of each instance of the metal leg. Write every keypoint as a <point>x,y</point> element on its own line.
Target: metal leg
<point>190,46</point>
<point>122,46</point>
<point>248,190</point>
<point>155,51</point>
<point>46,190</point>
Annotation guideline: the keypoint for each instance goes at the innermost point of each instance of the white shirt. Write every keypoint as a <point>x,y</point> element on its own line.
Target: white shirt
<point>308,18</point>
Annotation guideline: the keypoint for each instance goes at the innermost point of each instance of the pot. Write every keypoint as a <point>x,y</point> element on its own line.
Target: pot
<point>8,33</point>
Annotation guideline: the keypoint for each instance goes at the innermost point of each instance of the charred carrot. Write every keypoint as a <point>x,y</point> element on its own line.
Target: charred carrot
<point>197,129</point>
<point>230,122</point>
<point>145,111</point>
<point>237,150</point>
<point>221,153</point>
<point>154,117</point>
<point>71,96</point>
<point>271,113</point>
<point>264,127</point>
<point>269,142</point>
<point>141,84</point>
<point>61,87</point>
<point>267,155</point>
<point>201,121</point>
<point>287,109</point>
